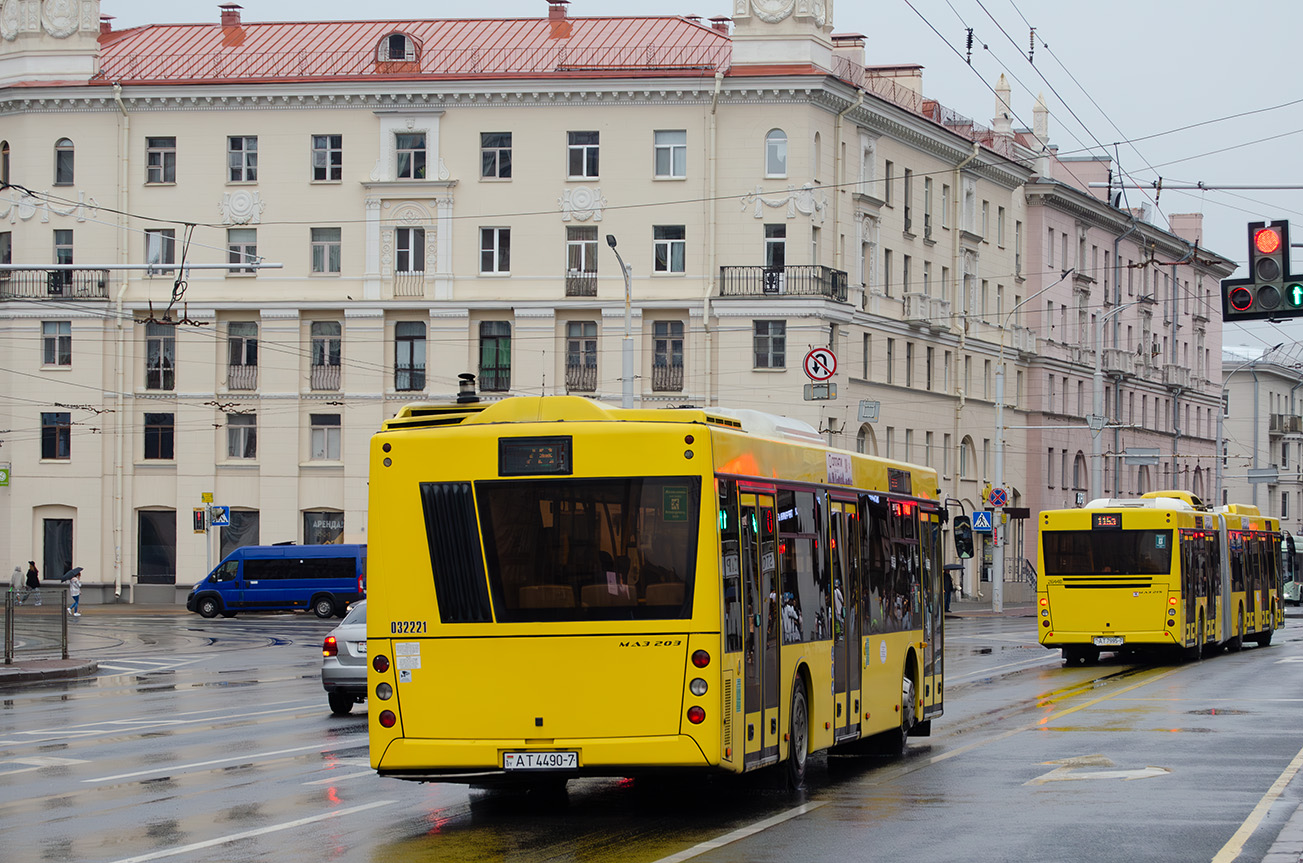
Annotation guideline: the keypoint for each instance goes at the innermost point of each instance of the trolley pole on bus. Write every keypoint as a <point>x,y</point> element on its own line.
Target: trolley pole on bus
<point>626,373</point>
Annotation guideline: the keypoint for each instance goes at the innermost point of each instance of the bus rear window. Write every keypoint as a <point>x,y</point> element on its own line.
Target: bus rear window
<point>1130,552</point>
<point>590,549</point>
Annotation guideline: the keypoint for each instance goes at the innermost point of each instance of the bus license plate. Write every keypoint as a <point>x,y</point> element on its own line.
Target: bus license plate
<point>1108,641</point>
<point>540,760</point>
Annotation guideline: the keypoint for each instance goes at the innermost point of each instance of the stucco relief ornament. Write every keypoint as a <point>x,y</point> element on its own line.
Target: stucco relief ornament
<point>241,208</point>
<point>582,203</point>
<point>773,11</point>
<point>60,17</point>
<point>11,20</point>
<point>805,200</point>
<point>820,12</point>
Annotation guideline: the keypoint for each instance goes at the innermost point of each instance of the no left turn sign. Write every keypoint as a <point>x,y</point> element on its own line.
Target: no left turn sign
<point>820,364</point>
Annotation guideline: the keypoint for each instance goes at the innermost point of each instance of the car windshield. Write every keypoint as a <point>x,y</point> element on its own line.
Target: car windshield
<point>356,614</point>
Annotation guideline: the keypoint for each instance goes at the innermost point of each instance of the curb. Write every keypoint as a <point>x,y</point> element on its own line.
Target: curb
<point>49,669</point>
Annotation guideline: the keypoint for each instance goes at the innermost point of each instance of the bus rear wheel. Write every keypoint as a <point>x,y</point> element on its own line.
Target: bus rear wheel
<point>323,607</point>
<point>798,746</point>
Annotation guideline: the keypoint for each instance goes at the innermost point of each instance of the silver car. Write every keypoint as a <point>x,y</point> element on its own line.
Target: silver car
<point>343,661</point>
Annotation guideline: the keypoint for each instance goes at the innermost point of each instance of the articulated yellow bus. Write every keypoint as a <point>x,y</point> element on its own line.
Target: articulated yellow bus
<point>1159,571</point>
<point>559,588</point>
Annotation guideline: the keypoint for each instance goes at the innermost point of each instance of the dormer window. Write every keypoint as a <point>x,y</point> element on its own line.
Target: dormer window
<point>397,46</point>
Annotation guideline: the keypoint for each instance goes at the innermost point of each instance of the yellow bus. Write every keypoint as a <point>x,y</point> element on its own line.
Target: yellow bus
<point>560,588</point>
<point>1158,571</point>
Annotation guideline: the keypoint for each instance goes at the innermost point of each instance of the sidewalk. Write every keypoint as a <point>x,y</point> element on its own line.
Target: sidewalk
<point>973,607</point>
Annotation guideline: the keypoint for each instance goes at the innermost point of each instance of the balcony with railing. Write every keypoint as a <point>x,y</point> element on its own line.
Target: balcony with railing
<point>581,283</point>
<point>922,310</point>
<point>409,378</point>
<point>803,280</point>
<point>581,378</point>
<point>325,377</point>
<point>667,379</point>
<point>1023,340</point>
<point>409,283</point>
<point>1118,363</point>
<point>1176,376</point>
<point>1282,424</point>
<point>242,377</point>
<point>54,285</point>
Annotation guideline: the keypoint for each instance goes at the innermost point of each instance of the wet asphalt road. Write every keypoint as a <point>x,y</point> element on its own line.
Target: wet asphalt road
<point>211,741</point>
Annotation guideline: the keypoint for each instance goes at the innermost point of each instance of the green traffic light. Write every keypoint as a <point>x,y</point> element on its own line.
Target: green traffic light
<point>1294,295</point>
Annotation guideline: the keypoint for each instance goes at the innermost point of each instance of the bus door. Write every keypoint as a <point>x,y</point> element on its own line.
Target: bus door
<point>758,554</point>
<point>844,540</point>
<point>934,606</point>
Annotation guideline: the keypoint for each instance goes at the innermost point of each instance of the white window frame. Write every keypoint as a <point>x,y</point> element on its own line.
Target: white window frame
<point>776,153</point>
<point>670,154</point>
<point>242,160</point>
<point>325,437</point>
<point>669,253</point>
<point>495,251</point>
<point>327,251</point>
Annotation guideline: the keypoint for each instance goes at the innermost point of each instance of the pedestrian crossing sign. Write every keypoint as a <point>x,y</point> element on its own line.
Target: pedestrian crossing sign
<point>982,520</point>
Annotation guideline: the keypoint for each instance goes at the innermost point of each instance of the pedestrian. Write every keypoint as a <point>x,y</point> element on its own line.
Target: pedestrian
<point>33,581</point>
<point>74,585</point>
<point>16,584</point>
<point>950,589</point>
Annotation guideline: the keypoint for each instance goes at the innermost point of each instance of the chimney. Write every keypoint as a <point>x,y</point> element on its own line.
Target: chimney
<point>106,25</point>
<point>230,14</point>
<point>720,23</point>
<point>849,46</point>
<point>556,9</point>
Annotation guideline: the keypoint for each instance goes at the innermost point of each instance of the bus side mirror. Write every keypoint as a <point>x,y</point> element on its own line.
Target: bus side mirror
<point>963,537</point>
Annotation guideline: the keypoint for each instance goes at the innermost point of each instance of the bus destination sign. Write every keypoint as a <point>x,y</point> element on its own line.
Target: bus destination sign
<point>529,456</point>
<point>1106,521</point>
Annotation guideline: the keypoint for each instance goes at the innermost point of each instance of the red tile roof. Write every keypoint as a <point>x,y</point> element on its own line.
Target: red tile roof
<point>317,50</point>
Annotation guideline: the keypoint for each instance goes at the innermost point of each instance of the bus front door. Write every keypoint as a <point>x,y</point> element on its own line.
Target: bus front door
<point>759,559</point>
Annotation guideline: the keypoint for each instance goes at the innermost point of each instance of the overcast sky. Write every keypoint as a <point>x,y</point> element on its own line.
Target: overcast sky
<point>1113,71</point>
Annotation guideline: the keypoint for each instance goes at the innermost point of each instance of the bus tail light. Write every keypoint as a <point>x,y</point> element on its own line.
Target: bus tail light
<point>387,718</point>
<point>330,647</point>
<point>380,663</point>
<point>696,715</point>
<point>701,659</point>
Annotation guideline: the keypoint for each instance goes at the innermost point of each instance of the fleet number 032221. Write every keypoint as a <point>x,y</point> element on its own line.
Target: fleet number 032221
<point>407,627</point>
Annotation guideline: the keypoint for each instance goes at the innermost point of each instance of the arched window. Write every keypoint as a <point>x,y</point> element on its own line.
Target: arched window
<point>967,458</point>
<point>817,157</point>
<point>776,153</point>
<point>397,46</point>
<point>4,162</point>
<point>63,162</point>
<point>1079,472</point>
<point>865,441</point>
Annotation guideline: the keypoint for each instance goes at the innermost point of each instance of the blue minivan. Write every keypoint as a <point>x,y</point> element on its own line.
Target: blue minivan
<point>324,578</point>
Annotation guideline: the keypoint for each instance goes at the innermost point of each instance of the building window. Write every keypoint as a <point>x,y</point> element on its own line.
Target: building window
<point>667,356</point>
<point>4,162</point>
<point>495,356</point>
<point>63,250</point>
<point>326,245</point>
<point>160,357</point>
<point>327,352</point>
<point>6,252</point>
<point>56,435</point>
<point>495,155</point>
<point>160,160</point>
<point>888,170</point>
<point>160,430</point>
<point>325,437</point>
<point>242,249</point>
<point>409,248</point>
<point>241,436</point>
<point>327,157</point>
<point>581,356</point>
<point>156,547</point>
<point>160,250</point>
<point>63,153</point>
<point>671,155</point>
<point>776,153</point>
<point>242,158</point>
<point>909,200</point>
<point>999,226</point>
<point>410,148</point>
<point>582,155</point>
<point>409,356</point>
<point>323,527</point>
<point>669,248</point>
<point>495,250</point>
<point>775,247</point>
<point>397,47</point>
<point>770,341</point>
<point>242,355</point>
<point>242,531</point>
<point>986,219</point>
<point>56,337</point>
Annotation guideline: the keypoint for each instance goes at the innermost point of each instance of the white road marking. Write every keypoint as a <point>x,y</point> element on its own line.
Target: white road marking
<point>38,762</point>
<point>331,780</point>
<point>1028,663</point>
<point>1235,845</point>
<point>249,834</point>
<point>174,769</point>
<point>45,735</point>
<point>738,834</point>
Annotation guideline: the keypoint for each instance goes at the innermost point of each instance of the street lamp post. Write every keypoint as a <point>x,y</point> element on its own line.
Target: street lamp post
<point>1096,420</point>
<point>1221,414</point>
<point>626,399</point>
<point>997,515</point>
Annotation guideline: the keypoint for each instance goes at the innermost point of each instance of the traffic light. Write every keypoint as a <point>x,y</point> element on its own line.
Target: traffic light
<point>1270,290</point>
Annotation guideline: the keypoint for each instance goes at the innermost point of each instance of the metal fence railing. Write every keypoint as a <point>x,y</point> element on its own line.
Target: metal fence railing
<point>36,623</point>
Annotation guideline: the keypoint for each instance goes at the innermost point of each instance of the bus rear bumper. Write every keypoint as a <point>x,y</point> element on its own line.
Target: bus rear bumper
<point>480,761</point>
<point>1143,638</point>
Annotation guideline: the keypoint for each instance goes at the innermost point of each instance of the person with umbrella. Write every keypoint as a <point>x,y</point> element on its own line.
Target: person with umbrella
<point>73,577</point>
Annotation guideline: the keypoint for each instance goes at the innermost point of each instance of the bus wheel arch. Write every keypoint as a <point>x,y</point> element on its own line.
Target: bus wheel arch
<point>798,724</point>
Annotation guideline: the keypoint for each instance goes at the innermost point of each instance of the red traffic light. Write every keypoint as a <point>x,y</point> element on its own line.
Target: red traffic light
<point>1266,240</point>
